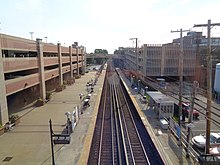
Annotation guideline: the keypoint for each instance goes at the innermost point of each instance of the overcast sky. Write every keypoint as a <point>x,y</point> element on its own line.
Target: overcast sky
<point>106,24</point>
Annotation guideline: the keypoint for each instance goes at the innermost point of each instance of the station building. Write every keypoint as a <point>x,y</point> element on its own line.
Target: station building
<point>30,69</point>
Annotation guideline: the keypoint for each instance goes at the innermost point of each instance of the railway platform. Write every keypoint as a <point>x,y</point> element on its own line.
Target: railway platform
<point>29,141</point>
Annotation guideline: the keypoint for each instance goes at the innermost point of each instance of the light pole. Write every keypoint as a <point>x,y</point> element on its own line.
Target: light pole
<point>136,53</point>
<point>45,39</point>
<point>139,86</point>
<point>160,108</point>
<point>146,88</point>
<point>136,90</point>
<point>132,80</point>
<point>31,33</point>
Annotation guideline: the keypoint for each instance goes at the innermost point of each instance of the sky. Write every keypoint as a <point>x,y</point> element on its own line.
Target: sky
<point>106,24</point>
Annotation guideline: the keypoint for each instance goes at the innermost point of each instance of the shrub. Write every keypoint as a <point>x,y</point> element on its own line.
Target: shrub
<point>64,82</point>
<point>60,88</point>
<point>39,102</point>
<point>77,76</point>
<point>48,95</point>
<point>13,118</point>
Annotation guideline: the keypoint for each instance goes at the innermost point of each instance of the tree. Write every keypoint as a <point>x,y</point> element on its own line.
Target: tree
<point>101,51</point>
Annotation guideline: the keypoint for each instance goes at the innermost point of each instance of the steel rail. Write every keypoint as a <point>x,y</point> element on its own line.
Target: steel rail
<point>111,143</point>
<point>118,145</point>
<point>102,127</point>
<point>106,148</point>
<point>94,150</point>
<point>114,140</point>
<point>127,111</point>
<point>120,123</point>
<point>129,153</point>
<point>117,130</point>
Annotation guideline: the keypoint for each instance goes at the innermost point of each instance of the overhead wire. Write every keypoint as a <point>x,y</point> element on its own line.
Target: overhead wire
<point>187,99</point>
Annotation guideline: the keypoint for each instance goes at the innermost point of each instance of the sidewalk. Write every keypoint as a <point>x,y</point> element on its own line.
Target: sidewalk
<point>29,141</point>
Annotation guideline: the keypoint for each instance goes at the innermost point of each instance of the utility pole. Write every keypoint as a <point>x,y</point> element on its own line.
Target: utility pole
<point>190,116</point>
<point>181,79</point>
<point>136,53</point>
<point>198,61</point>
<point>209,82</point>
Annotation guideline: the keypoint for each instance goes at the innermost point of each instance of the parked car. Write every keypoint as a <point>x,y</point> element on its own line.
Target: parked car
<point>200,140</point>
<point>215,151</point>
<point>95,68</point>
<point>186,107</point>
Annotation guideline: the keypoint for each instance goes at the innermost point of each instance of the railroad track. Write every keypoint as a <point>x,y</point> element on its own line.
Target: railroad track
<point>119,136</point>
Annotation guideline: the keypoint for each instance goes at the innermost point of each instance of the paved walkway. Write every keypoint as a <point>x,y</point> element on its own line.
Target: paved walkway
<point>29,141</point>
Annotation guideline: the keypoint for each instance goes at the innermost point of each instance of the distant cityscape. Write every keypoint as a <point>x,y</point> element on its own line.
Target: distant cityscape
<point>163,60</point>
<point>20,63</point>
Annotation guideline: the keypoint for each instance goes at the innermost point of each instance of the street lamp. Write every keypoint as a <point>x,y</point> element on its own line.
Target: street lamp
<point>31,33</point>
<point>146,88</point>
<point>132,80</point>
<point>160,107</point>
<point>136,53</point>
<point>45,39</point>
<point>136,90</point>
<point>139,86</point>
